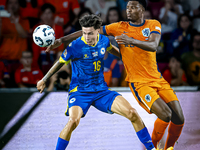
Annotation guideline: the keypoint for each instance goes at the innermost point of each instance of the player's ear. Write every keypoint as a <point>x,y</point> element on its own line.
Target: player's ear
<point>98,30</point>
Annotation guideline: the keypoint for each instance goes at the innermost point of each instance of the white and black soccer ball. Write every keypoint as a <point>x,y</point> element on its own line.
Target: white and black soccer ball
<point>43,36</point>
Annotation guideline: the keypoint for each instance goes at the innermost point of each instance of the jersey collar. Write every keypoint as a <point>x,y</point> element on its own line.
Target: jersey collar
<point>137,25</point>
<point>83,39</point>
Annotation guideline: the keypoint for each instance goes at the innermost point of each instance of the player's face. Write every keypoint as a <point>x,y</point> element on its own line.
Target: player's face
<point>90,35</point>
<point>134,11</point>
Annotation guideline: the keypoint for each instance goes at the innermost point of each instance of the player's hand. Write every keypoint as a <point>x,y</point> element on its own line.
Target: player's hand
<point>41,86</point>
<point>56,44</point>
<point>123,39</point>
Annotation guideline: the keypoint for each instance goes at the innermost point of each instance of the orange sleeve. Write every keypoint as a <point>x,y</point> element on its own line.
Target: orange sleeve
<point>111,29</point>
<point>155,27</point>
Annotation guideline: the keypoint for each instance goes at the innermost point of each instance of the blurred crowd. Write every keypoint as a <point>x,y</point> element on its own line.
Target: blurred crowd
<point>22,63</point>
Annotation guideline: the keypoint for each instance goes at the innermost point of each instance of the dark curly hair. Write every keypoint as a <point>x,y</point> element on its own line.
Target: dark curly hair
<point>91,21</point>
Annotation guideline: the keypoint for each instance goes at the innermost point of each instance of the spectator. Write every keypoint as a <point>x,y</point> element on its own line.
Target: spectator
<point>169,15</point>
<point>147,14</point>
<point>175,75</point>
<point>121,4</point>
<point>154,7</point>
<point>100,7</point>
<point>83,12</point>
<point>112,72</point>
<point>27,75</point>
<point>13,33</point>
<point>45,60</point>
<point>191,62</point>
<point>63,17</point>
<point>59,82</point>
<point>4,76</point>
<point>181,37</point>
<point>30,10</point>
<point>2,4</point>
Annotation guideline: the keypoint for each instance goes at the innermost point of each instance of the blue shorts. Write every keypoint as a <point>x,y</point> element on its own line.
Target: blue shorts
<point>101,100</point>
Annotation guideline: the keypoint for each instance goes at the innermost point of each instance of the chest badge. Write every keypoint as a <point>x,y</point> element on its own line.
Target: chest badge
<point>146,32</point>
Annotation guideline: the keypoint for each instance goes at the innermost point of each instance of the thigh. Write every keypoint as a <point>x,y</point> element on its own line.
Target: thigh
<point>145,95</point>
<point>83,100</point>
<point>121,106</point>
<point>104,100</point>
<point>167,93</point>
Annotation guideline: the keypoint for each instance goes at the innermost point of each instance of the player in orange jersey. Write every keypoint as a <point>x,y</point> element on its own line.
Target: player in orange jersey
<point>138,40</point>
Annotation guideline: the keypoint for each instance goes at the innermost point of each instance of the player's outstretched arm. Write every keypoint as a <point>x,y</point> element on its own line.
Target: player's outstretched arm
<point>150,45</point>
<point>65,39</point>
<point>114,51</point>
<point>42,83</point>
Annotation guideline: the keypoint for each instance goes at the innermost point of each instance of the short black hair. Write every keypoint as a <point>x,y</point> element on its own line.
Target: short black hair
<point>142,2</point>
<point>48,5</point>
<point>91,21</point>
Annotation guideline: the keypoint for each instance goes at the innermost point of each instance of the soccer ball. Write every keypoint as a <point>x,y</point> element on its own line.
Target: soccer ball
<point>43,36</point>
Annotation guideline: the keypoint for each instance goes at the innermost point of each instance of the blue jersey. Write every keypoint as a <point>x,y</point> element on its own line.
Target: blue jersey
<point>87,64</point>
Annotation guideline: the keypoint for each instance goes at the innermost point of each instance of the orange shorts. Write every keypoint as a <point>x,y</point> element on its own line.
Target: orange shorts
<point>147,93</point>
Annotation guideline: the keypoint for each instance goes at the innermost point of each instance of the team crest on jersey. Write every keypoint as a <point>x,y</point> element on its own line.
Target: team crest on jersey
<point>94,54</point>
<point>103,50</point>
<point>65,53</point>
<point>72,100</point>
<point>148,98</point>
<point>146,32</point>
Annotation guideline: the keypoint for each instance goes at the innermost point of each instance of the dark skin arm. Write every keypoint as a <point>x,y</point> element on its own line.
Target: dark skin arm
<point>42,83</point>
<point>114,51</point>
<point>67,39</point>
<point>150,45</point>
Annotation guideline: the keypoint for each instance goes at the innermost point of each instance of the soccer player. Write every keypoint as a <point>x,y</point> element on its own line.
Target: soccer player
<point>138,40</point>
<point>87,84</point>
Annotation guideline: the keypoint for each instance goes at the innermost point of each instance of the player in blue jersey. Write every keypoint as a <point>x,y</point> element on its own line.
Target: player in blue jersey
<point>87,84</point>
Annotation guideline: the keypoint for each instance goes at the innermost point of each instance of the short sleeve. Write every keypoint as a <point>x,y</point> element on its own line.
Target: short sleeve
<point>111,29</point>
<point>155,27</point>
<point>108,44</point>
<point>67,54</point>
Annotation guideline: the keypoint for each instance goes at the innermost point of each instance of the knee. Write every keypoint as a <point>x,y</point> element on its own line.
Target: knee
<point>166,115</point>
<point>73,122</point>
<point>132,115</point>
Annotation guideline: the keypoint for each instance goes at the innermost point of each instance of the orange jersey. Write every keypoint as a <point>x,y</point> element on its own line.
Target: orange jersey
<point>140,65</point>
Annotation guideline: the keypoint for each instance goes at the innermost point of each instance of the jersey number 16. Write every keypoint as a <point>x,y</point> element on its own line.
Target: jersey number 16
<point>97,65</point>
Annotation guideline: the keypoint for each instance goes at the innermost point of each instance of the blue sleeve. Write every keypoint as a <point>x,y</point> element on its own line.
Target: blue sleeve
<point>68,53</point>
